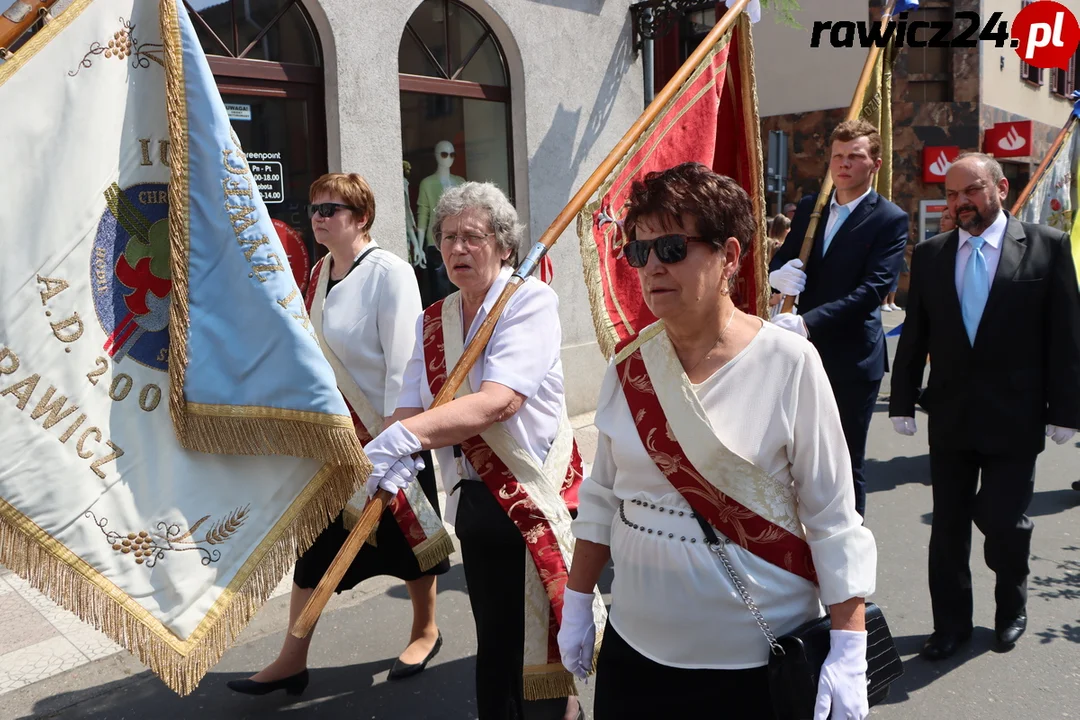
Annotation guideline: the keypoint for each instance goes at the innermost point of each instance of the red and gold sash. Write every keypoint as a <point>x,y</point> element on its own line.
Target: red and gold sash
<point>546,531</point>
<point>412,511</point>
<point>760,535</point>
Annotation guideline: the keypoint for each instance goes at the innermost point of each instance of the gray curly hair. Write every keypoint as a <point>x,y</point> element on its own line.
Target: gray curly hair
<point>502,217</point>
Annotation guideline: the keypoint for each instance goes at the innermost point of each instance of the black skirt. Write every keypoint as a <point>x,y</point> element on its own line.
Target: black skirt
<point>630,686</point>
<point>392,555</point>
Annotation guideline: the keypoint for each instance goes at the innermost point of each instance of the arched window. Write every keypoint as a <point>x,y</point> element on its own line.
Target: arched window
<point>455,91</point>
<point>266,58</point>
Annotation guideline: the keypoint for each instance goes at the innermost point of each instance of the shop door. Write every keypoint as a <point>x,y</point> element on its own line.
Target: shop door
<point>281,129</point>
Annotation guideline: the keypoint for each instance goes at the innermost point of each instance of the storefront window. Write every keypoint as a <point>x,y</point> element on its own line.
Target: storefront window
<point>455,121</point>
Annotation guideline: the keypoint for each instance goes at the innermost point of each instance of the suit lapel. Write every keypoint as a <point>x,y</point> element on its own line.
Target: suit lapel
<point>857,217</point>
<point>1013,249</point>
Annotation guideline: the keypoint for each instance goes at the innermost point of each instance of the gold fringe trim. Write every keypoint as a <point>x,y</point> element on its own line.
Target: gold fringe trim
<point>548,682</point>
<point>70,582</point>
<point>267,436</point>
<point>752,128</point>
<point>434,550</point>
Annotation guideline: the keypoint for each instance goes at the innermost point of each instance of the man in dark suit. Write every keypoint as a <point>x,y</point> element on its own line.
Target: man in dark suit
<point>996,305</point>
<point>858,252</point>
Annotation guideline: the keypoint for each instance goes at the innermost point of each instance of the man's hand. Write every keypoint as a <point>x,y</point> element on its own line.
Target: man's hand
<point>790,279</point>
<point>1059,435</point>
<point>904,425</point>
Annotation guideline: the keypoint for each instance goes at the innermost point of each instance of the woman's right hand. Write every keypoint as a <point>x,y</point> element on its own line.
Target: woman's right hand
<point>577,634</point>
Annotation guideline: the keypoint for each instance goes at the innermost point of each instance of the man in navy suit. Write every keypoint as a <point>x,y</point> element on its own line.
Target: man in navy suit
<point>858,252</point>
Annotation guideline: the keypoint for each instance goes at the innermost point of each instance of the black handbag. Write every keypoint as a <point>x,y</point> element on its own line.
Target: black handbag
<point>795,659</point>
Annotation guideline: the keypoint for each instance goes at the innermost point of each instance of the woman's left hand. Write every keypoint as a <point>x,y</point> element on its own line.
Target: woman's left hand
<point>842,687</point>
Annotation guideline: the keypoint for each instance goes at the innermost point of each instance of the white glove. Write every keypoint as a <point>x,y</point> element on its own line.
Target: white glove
<point>392,444</point>
<point>577,634</point>
<point>842,687</point>
<point>395,479</point>
<point>904,425</point>
<point>789,279</point>
<point>1059,435</point>
<point>792,322</point>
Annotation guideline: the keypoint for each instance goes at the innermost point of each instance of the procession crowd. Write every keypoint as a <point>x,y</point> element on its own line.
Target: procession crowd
<point>728,488</point>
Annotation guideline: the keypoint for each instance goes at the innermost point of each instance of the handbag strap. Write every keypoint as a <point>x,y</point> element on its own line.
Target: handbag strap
<point>717,547</point>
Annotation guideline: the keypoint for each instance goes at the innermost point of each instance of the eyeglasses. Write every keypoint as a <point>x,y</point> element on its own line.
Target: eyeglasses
<point>471,240</point>
<point>445,154</point>
<point>669,249</point>
<point>328,210</point>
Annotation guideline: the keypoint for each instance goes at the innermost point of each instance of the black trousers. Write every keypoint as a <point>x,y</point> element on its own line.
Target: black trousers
<point>856,401</point>
<point>630,685</point>
<point>998,508</point>
<point>493,556</point>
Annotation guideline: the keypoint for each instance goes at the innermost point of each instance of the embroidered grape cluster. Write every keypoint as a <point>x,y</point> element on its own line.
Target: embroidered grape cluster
<point>120,46</point>
<point>139,543</point>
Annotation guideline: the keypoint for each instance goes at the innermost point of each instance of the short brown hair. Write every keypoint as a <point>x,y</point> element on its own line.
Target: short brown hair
<point>853,130</point>
<point>778,224</point>
<point>351,188</point>
<point>718,203</point>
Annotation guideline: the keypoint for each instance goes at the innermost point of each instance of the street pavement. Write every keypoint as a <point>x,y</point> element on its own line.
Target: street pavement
<point>363,630</point>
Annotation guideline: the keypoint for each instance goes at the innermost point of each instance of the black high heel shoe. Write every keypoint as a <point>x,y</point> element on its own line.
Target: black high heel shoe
<point>292,685</point>
<point>402,670</point>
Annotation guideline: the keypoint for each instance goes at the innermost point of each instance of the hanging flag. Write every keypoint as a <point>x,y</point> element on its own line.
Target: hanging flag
<point>712,119</point>
<point>877,110</point>
<point>173,434</point>
<point>1054,197</point>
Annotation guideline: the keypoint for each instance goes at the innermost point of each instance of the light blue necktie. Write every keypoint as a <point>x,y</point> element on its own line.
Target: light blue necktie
<point>976,288</point>
<point>842,213</point>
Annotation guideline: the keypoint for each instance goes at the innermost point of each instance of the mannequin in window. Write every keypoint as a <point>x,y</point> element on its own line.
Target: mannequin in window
<point>431,189</point>
<point>412,232</point>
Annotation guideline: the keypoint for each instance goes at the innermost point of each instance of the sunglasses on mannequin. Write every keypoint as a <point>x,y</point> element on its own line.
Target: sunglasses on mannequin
<point>669,249</point>
<point>328,210</point>
<point>445,154</point>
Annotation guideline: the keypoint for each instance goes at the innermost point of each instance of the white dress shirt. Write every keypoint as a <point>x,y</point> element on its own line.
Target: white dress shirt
<point>991,249</point>
<point>834,209</point>
<point>523,354</point>
<point>672,601</point>
<point>368,321</point>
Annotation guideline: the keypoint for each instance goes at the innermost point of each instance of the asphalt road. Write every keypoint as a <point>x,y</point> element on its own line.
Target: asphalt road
<point>363,630</point>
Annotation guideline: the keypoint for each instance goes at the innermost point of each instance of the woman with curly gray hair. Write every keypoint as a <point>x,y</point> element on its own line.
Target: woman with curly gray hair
<point>506,452</point>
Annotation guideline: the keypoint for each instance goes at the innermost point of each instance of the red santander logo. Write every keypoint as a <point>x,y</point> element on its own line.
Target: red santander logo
<point>1045,34</point>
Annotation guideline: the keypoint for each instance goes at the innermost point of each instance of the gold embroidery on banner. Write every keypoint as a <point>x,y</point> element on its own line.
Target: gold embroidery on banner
<point>72,335</point>
<point>53,287</point>
<point>148,548</point>
<point>122,46</point>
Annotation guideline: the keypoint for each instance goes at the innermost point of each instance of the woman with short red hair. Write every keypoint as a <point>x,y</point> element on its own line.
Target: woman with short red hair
<point>363,303</point>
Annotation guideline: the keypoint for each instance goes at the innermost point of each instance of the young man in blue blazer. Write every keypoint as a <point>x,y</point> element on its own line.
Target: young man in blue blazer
<point>858,252</point>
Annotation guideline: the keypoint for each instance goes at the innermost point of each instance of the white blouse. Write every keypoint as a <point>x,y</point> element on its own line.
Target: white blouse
<point>368,321</point>
<point>523,354</point>
<point>672,601</point>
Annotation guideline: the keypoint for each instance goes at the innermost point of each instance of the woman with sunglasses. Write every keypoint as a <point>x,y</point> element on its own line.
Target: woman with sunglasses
<point>506,452</point>
<point>363,302</point>
<point>712,424</point>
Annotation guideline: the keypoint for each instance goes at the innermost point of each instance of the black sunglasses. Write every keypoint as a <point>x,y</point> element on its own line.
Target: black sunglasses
<point>327,210</point>
<point>669,249</point>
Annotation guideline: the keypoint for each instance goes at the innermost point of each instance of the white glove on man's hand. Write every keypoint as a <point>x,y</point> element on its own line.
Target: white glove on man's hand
<point>790,279</point>
<point>842,687</point>
<point>1059,435</point>
<point>392,444</point>
<point>904,425</point>
<point>792,322</point>
<point>577,634</point>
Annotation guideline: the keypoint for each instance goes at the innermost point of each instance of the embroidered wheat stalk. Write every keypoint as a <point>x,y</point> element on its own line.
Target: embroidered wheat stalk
<point>224,529</point>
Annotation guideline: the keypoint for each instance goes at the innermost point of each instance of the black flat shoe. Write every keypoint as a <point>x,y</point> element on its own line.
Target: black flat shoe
<point>292,685</point>
<point>942,645</point>
<point>1007,636</point>
<point>402,670</point>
